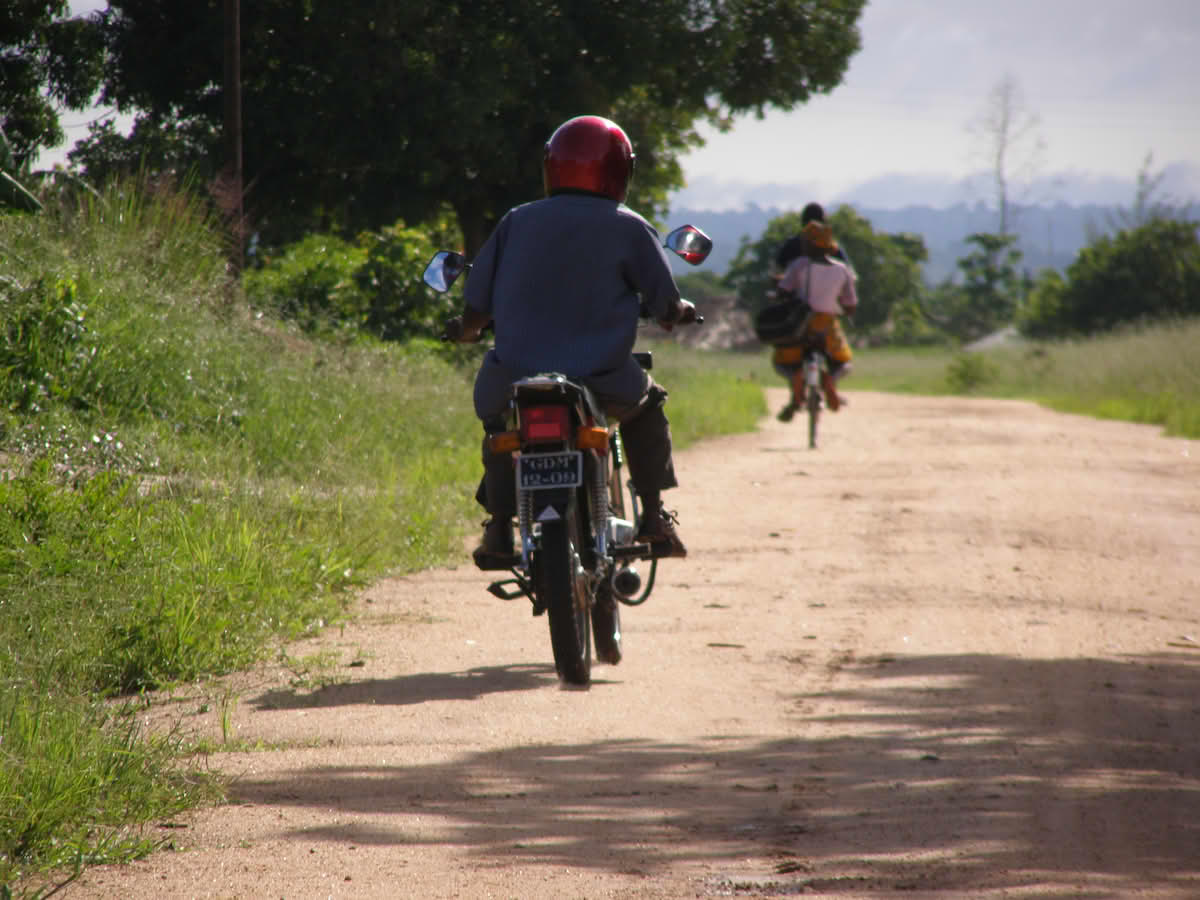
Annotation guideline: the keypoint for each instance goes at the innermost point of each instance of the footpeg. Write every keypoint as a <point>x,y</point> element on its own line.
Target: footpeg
<point>502,590</point>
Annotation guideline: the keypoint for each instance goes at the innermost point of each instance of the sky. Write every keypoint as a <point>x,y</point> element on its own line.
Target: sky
<point>1108,82</point>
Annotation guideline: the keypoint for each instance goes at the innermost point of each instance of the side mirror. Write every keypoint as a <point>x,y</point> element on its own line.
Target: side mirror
<point>443,269</point>
<point>690,244</point>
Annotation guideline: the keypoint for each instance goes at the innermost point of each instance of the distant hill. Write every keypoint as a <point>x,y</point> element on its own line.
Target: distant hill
<point>1049,237</point>
<point>1051,231</point>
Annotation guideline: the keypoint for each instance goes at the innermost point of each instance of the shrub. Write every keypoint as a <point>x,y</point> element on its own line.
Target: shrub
<point>1149,272</point>
<point>968,371</point>
<point>46,347</point>
<point>398,304</point>
<point>326,284</point>
<point>312,283</point>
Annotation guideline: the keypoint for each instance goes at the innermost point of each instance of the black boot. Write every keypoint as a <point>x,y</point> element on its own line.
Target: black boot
<point>658,530</point>
<point>497,493</point>
<point>496,551</point>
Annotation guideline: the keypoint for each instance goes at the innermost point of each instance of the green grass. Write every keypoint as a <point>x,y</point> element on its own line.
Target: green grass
<point>75,785</point>
<point>710,393</point>
<point>1149,374</point>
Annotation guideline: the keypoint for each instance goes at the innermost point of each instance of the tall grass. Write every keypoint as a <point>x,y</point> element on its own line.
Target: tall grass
<point>1148,374</point>
<point>184,487</point>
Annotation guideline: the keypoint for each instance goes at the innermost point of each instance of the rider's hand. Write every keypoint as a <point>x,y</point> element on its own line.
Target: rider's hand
<point>685,315</point>
<point>455,331</point>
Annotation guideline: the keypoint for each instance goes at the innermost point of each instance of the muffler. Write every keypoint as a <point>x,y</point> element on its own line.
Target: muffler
<point>627,582</point>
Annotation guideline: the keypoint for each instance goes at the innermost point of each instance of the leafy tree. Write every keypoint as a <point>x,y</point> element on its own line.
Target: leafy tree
<point>46,60</point>
<point>328,285</point>
<point>356,115</point>
<point>1149,272</point>
<point>910,326</point>
<point>752,271</point>
<point>987,299</point>
<point>311,283</point>
<point>183,148</point>
<point>887,265</point>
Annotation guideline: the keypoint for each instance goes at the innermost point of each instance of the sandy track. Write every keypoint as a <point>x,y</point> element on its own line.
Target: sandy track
<point>955,652</point>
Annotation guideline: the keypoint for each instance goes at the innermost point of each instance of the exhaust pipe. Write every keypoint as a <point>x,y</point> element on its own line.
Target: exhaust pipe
<point>627,582</point>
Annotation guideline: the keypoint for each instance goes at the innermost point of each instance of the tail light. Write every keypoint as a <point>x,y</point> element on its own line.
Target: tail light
<point>592,438</point>
<point>504,442</point>
<point>544,423</point>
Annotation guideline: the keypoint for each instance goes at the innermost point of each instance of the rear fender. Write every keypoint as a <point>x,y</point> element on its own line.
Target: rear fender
<point>549,505</point>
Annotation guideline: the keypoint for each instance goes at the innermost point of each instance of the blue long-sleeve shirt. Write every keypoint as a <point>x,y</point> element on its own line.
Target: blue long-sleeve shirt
<point>563,279</point>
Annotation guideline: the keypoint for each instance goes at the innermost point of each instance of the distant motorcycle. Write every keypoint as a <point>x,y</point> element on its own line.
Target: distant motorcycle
<point>576,513</point>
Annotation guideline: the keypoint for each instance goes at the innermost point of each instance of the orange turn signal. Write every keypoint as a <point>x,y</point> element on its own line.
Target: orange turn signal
<point>505,442</point>
<point>592,438</point>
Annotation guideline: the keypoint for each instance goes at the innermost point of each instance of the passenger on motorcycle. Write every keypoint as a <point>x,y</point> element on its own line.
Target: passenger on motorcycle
<point>563,280</point>
<point>826,285</point>
<point>793,247</point>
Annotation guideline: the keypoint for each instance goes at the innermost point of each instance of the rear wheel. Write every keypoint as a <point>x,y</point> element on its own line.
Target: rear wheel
<point>564,589</point>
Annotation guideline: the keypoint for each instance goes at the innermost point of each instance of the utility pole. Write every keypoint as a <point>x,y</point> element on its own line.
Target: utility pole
<point>233,124</point>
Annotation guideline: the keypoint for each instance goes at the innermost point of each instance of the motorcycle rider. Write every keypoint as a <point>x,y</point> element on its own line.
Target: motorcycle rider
<point>563,280</point>
<point>793,247</point>
<point>826,284</point>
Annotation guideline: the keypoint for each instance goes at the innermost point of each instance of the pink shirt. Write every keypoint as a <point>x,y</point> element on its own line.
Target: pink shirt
<point>829,288</point>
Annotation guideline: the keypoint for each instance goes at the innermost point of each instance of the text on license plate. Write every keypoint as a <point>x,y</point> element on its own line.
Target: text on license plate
<point>550,470</point>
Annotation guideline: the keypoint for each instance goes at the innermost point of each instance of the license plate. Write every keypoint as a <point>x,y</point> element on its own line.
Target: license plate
<point>550,470</point>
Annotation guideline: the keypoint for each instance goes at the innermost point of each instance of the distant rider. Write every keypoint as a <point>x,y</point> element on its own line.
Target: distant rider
<point>826,284</point>
<point>793,247</point>
<point>563,280</point>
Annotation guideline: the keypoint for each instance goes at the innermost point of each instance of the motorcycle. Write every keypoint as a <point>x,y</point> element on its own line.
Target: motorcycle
<point>577,515</point>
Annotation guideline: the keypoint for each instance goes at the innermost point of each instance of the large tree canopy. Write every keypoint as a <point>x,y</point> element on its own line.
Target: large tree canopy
<point>47,61</point>
<point>357,114</point>
<point>1144,273</point>
<point>992,287</point>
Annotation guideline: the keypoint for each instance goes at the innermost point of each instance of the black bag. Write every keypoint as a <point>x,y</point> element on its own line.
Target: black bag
<point>781,321</point>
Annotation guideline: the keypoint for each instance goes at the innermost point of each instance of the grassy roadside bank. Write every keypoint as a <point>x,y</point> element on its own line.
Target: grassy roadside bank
<point>187,485</point>
<point>1149,374</point>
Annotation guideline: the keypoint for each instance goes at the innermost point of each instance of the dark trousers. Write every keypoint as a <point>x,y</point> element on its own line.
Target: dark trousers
<point>645,432</point>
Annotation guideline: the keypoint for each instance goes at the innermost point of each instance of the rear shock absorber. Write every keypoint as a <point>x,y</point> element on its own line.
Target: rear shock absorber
<point>598,500</point>
<point>525,522</point>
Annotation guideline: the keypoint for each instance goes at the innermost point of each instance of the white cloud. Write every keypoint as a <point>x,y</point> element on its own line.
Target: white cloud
<point>1108,82</point>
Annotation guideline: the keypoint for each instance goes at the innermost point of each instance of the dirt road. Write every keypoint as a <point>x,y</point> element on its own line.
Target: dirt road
<point>953,653</point>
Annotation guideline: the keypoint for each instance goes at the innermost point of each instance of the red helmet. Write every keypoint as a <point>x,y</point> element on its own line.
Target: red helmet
<point>589,153</point>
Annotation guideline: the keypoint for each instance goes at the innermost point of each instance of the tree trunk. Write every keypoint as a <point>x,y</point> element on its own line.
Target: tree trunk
<point>475,225</point>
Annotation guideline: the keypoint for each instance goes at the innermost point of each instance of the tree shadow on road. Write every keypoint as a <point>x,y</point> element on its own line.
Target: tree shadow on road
<point>944,773</point>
